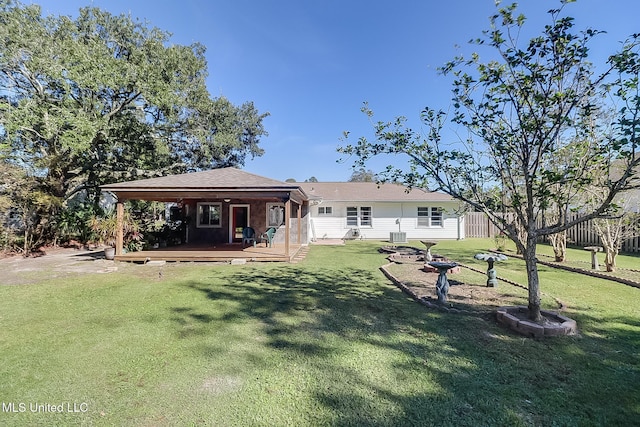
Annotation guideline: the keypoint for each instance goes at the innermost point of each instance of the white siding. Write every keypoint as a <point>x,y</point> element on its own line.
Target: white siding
<point>384,216</point>
<point>327,227</point>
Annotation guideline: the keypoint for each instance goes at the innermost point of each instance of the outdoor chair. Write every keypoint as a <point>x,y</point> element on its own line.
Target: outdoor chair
<point>268,235</point>
<point>248,236</point>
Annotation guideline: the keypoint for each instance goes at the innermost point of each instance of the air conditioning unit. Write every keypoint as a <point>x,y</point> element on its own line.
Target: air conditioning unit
<point>398,237</point>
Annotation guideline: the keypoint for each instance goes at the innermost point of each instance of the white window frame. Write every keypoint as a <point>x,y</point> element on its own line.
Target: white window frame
<point>199,213</point>
<point>352,220</point>
<point>325,210</point>
<point>434,217</point>
<point>361,216</point>
<point>269,221</point>
<point>358,217</point>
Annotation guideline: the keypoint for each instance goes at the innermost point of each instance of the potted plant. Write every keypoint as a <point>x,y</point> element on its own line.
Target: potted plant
<point>106,230</point>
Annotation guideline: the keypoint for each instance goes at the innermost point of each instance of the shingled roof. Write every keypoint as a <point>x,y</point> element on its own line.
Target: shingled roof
<point>221,182</point>
<point>369,192</point>
<point>226,181</point>
<point>224,178</point>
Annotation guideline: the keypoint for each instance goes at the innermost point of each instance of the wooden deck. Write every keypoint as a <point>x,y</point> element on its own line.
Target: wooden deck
<point>220,252</point>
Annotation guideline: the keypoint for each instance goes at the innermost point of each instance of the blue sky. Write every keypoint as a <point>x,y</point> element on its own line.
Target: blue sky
<point>311,64</point>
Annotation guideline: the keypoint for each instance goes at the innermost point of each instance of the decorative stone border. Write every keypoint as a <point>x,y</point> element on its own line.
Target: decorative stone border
<point>561,326</point>
<point>401,259</point>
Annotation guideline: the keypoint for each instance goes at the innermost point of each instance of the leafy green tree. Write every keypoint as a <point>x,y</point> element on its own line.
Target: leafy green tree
<point>623,221</point>
<point>72,223</point>
<point>24,198</point>
<point>519,109</point>
<point>362,175</point>
<point>103,98</point>
<point>6,204</point>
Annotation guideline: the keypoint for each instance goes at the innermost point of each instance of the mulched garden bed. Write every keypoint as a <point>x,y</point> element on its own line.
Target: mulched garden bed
<point>465,293</point>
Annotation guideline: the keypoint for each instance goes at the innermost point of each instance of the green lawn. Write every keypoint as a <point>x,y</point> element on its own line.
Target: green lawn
<point>328,341</point>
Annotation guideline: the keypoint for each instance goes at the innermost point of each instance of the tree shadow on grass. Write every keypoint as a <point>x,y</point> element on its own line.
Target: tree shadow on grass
<point>341,302</point>
<point>601,366</point>
<point>445,369</point>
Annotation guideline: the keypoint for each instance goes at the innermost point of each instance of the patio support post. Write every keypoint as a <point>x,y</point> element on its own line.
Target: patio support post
<point>287,225</point>
<point>119,227</point>
<point>299,223</point>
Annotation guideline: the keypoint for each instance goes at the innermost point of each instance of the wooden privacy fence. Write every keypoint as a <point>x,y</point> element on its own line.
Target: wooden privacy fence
<point>584,234</point>
<point>477,224</point>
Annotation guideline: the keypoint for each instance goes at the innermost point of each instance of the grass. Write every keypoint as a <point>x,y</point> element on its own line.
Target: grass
<point>325,342</point>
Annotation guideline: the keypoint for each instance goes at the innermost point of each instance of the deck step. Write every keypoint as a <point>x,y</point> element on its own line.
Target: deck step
<point>302,253</point>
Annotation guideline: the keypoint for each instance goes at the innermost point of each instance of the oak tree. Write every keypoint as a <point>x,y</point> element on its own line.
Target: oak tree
<point>104,97</point>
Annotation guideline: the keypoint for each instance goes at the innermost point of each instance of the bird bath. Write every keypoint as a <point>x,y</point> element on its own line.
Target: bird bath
<point>442,285</point>
<point>594,256</point>
<point>427,255</point>
<point>492,275</point>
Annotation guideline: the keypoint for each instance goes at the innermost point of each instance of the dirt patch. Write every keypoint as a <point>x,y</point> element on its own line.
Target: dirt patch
<point>465,293</point>
<point>507,301</point>
<point>56,262</point>
<point>222,385</point>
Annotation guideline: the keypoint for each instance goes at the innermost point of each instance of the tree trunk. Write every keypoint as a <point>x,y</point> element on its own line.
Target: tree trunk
<point>532,279</point>
<point>610,259</point>
<point>559,243</point>
<point>25,245</point>
<point>522,237</point>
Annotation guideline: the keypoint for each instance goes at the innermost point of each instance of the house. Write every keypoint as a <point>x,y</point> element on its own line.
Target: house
<point>216,205</point>
<point>367,210</point>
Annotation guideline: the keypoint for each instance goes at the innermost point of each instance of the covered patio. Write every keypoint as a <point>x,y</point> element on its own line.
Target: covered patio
<point>216,206</point>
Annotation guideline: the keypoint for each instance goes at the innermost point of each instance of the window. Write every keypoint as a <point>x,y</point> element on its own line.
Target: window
<point>423,217</point>
<point>275,214</point>
<point>436,217</point>
<point>352,217</point>
<point>363,214</point>
<point>429,217</point>
<point>325,210</point>
<point>209,215</point>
